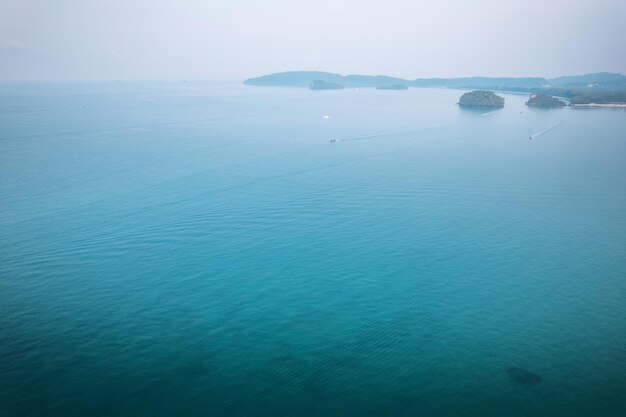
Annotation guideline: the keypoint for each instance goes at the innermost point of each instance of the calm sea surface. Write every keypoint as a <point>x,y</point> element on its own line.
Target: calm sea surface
<point>203,249</point>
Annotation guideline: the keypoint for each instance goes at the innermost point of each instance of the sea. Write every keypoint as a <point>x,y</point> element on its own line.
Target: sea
<point>213,249</point>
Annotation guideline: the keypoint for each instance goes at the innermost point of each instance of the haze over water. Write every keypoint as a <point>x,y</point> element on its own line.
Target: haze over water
<point>204,249</point>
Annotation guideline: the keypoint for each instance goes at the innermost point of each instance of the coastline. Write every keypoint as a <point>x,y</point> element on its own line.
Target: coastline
<point>619,105</point>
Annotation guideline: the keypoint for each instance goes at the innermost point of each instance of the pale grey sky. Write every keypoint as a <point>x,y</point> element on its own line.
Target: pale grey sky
<point>236,39</point>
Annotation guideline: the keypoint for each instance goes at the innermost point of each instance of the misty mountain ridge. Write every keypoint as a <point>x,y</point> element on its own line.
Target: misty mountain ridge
<point>601,80</point>
<point>304,79</point>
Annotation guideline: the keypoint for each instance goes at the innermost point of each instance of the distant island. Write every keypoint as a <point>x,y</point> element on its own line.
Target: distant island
<point>324,85</point>
<point>304,79</point>
<point>545,101</point>
<point>393,87</point>
<point>481,98</point>
<point>597,88</point>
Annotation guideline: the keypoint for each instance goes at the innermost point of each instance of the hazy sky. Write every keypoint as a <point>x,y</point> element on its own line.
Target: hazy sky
<point>236,39</point>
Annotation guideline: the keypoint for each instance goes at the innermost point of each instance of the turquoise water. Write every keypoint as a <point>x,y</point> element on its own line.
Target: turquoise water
<point>203,249</point>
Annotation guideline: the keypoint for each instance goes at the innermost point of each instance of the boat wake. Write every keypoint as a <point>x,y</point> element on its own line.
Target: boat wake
<point>534,135</point>
<point>392,133</point>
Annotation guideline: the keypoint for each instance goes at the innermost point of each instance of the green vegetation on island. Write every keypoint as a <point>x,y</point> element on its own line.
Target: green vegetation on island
<point>544,100</point>
<point>393,87</point>
<point>599,97</point>
<point>481,98</point>
<point>324,85</point>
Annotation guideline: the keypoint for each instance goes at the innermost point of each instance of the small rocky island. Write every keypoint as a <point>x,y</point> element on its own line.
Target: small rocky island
<point>393,87</point>
<point>481,98</point>
<point>545,101</point>
<point>324,85</point>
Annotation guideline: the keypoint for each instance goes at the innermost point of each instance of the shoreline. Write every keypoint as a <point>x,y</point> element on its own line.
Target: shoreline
<point>619,105</point>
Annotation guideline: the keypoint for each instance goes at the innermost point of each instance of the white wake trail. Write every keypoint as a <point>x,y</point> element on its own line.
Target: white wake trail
<point>533,136</point>
<point>393,132</point>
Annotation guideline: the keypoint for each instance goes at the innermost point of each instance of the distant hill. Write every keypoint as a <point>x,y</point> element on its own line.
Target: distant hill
<point>490,83</point>
<point>304,79</point>
<point>597,79</point>
<point>393,87</point>
<point>601,87</point>
<point>324,85</point>
<point>371,80</point>
<point>294,79</point>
